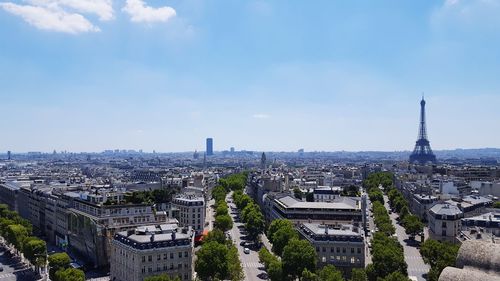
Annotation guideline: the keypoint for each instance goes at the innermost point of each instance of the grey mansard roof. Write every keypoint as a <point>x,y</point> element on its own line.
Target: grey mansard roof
<point>445,209</point>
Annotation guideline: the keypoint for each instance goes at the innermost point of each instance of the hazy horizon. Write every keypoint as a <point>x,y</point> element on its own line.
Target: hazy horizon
<point>240,150</point>
<point>258,75</point>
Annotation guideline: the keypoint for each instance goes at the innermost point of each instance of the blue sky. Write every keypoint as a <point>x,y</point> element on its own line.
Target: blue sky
<point>89,75</point>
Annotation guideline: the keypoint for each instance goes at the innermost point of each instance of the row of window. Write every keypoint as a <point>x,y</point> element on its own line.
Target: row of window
<point>186,216</point>
<point>344,250</point>
<point>341,259</point>
<point>165,255</point>
<point>164,268</point>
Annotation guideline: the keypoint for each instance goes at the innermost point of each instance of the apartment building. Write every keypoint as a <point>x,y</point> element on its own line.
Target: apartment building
<point>152,250</point>
<point>445,222</point>
<point>340,245</point>
<point>8,194</point>
<point>191,208</point>
<point>92,226</point>
<point>340,210</point>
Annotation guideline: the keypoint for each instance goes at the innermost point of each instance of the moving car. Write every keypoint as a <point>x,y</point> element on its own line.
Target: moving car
<point>246,251</point>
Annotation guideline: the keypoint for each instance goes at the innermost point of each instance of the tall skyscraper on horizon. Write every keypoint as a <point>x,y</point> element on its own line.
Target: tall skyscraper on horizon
<point>210,146</point>
<point>422,154</point>
<point>263,161</point>
<point>9,156</point>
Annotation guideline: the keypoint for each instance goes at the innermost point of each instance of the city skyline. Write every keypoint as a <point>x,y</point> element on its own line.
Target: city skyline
<point>256,75</point>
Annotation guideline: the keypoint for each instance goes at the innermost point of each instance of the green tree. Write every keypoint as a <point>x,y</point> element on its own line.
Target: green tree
<point>404,212</point>
<point>330,273</point>
<point>309,276</point>
<point>35,250</point>
<point>275,270</point>
<point>413,225</point>
<point>371,273</point>
<point>3,209</point>
<point>382,219</point>
<point>376,195</point>
<point>387,256</point>
<point>358,274</point>
<point>255,224</point>
<point>58,261</point>
<point>234,265</point>
<point>396,276</point>
<point>438,255</point>
<point>234,181</point>
<point>399,203</point>
<point>272,265</point>
<point>265,257</point>
<point>277,225</point>
<point>281,238</point>
<point>223,222</point>
<point>297,256</point>
<point>4,223</point>
<point>351,190</point>
<point>496,205</point>
<point>69,274</point>
<point>219,193</point>
<point>15,235</point>
<point>212,261</point>
<point>222,209</point>
<point>216,235</point>
<point>243,201</point>
<point>162,277</point>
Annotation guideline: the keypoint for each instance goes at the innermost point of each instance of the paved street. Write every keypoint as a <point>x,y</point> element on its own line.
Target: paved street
<point>371,225</point>
<point>253,269</point>
<point>13,269</point>
<point>416,265</point>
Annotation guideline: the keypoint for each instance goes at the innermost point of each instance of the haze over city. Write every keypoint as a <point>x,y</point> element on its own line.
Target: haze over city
<point>257,75</point>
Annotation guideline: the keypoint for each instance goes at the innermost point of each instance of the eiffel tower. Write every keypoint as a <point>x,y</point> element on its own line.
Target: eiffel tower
<point>422,154</point>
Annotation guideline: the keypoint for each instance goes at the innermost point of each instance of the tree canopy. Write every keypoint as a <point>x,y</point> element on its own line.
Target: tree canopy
<point>280,232</point>
<point>216,235</point>
<point>223,222</point>
<point>413,225</point>
<point>438,255</point>
<point>58,261</point>
<point>35,250</point>
<point>358,274</point>
<point>15,235</point>
<point>297,256</point>
<point>211,261</point>
<point>387,257</point>
<point>69,274</point>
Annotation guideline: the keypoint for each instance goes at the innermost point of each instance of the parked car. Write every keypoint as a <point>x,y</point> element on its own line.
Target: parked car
<point>1,268</point>
<point>246,251</point>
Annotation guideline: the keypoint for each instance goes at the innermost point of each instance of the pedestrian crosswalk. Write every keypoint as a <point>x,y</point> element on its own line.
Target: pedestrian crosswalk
<point>11,275</point>
<point>252,264</point>
<point>105,278</point>
<point>6,275</point>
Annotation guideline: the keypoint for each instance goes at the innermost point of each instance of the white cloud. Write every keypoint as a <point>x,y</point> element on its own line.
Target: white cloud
<point>470,14</point>
<point>140,12</point>
<point>54,18</point>
<point>261,116</point>
<point>101,8</point>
